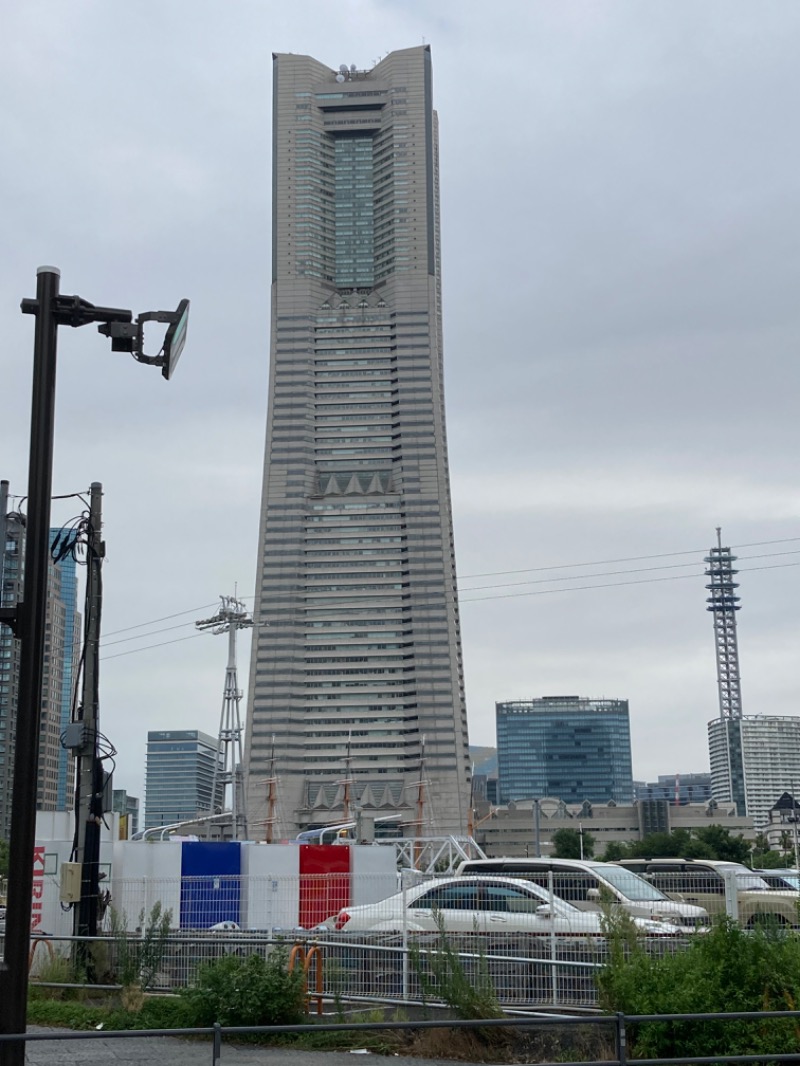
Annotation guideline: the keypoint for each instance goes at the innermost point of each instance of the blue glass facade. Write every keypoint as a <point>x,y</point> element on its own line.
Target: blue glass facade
<point>179,776</point>
<point>566,747</point>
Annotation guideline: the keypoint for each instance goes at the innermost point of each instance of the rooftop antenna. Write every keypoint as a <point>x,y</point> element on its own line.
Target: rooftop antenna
<point>228,765</point>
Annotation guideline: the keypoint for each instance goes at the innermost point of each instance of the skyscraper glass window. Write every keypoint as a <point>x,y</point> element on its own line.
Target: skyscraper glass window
<point>357,677</point>
<point>565,747</point>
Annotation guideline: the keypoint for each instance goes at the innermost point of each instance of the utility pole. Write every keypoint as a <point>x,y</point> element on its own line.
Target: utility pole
<point>89,799</point>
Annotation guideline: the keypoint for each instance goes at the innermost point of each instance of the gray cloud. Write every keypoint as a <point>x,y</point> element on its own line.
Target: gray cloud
<point>620,212</point>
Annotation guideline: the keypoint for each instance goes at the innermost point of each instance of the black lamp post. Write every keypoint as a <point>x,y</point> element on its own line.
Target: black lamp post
<point>28,618</point>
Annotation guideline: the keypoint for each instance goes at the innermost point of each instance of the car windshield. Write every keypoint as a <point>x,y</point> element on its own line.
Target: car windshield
<point>791,881</point>
<point>628,883</point>
<point>746,880</point>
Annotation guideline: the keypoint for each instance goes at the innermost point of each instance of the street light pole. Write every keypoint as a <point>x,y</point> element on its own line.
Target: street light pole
<point>28,618</point>
<point>30,630</point>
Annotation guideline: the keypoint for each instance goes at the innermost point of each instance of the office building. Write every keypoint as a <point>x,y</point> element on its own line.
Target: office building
<point>179,777</point>
<point>61,653</point>
<point>767,749</point>
<point>356,693</point>
<point>127,807</point>
<point>511,830</point>
<point>566,747</point>
<point>676,789</point>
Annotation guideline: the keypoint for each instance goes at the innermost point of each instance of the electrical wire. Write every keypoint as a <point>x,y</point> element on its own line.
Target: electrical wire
<point>628,559</point>
<point>166,618</point>
<point>499,573</point>
<point>365,601</point>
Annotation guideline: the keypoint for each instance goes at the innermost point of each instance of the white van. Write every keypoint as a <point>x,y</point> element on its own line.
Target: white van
<point>584,882</point>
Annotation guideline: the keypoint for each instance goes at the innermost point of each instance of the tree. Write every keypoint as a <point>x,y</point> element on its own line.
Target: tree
<point>724,846</point>
<point>769,860</point>
<point>707,842</point>
<point>3,858</point>
<point>614,851</point>
<point>567,844</point>
<point>677,845</point>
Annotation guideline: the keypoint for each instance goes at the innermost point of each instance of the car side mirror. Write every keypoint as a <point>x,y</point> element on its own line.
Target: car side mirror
<point>543,910</point>
<point>593,894</point>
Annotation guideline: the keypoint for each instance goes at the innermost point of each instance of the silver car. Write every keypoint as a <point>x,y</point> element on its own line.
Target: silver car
<point>479,904</point>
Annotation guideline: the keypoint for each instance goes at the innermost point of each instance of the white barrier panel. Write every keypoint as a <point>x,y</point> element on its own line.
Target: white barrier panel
<point>373,872</point>
<point>150,873</point>
<point>270,886</point>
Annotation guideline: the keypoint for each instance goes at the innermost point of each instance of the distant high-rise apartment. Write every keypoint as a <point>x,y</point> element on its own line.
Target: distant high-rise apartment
<point>767,751</point>
<point>356,696</point>
<point>564,747</point>
<point>61,652</point>
<point>179,776</point>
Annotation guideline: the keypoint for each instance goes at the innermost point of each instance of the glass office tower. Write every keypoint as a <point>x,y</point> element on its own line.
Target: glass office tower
<point>180,776</point>
<point>565,747</point>
<point>356,696</point>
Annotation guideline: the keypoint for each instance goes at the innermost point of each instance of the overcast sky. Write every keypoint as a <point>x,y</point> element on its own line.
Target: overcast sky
<point>621,262</point>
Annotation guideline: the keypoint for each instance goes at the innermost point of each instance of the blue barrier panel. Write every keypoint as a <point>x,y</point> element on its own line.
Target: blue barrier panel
<point>210,884</point>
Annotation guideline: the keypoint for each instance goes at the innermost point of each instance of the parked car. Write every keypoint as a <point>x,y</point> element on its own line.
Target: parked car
<point>584,883</point>
<point>480,904</point>
<point>702,882</point>
<point>782,880</point>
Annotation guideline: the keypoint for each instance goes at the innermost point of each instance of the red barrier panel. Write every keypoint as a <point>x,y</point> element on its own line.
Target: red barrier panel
<point>324,882</point>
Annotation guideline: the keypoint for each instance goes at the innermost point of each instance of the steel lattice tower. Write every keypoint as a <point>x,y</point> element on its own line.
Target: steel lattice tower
<point>723,604</point>
<point>228,766</point>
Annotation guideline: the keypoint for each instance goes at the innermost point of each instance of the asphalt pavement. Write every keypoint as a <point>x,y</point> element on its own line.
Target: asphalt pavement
<point>171,1051</point>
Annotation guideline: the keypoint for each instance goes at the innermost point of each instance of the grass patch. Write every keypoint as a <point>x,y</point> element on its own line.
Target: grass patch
<point>158,1012</point>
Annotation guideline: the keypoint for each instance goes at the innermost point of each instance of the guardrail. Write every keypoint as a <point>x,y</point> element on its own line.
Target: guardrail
<point>617,1025</point>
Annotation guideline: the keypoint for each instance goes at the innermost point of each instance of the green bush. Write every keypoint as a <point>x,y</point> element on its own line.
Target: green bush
<point>247,991</point>
<point>725,970</point>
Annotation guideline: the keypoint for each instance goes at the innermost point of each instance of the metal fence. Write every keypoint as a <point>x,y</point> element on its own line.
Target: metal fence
<point>613,1050</point>
<point>538,938</point>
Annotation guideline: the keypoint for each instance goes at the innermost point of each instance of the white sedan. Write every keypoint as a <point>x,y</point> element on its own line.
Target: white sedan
<point>480,904</point>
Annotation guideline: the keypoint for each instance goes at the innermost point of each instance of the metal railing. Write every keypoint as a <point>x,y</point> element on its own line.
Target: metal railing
<point>617,1027</point>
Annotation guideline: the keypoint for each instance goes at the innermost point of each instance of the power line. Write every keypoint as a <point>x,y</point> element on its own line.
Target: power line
<point>626,559</point>
<point>338,605</point>
<point>148,647</point>
<point>166,618</point>
<point>611,573</point>
<point>615,584</point>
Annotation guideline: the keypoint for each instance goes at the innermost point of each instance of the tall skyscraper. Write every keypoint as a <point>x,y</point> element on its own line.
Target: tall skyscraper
<point>62,648</point>
<point>565,747</point>
<point>356,696</point>
<point>179,776</point>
